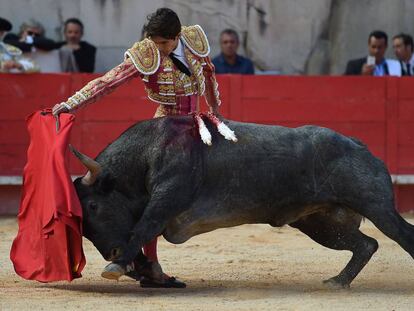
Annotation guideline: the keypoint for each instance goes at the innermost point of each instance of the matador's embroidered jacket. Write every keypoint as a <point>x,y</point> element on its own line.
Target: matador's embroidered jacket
<point>164,83</point>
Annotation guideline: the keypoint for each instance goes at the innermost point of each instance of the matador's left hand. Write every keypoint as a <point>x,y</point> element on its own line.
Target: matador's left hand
<point>58,109</point>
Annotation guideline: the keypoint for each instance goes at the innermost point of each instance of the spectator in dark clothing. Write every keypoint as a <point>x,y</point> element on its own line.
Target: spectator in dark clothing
<point>35,46</point>
<point>11,59</point>
<point>375,64</point>
<point>404,51</point>
<point>83,52</point>
<point>228,61</point>
<point>31,36</point>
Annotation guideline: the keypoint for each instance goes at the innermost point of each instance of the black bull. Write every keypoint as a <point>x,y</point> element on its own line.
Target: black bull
<point>158,178</point>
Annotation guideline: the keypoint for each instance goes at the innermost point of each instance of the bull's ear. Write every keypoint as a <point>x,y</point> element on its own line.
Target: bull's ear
<point>105,182</point>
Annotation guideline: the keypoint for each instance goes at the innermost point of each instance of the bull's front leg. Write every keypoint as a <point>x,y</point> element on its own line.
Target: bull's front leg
<point>166,203</point>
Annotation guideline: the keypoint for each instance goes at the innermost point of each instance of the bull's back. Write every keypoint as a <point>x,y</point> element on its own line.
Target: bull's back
<point>267,159</point>
<point>274,162</point>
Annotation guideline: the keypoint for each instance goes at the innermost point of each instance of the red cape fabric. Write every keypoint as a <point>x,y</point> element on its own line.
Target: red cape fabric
<point>48,246</point>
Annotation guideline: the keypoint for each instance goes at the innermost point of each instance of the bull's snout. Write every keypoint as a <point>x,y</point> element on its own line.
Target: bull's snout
<point>114,254</point>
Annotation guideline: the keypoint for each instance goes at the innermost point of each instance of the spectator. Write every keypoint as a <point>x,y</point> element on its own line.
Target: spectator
<point>379,66</point>
<point>31,37</point>
<point>83,52</point>
<point>403,49</point>
<point>10,56</point>
<point>228,61</point>
<point>34,44</point>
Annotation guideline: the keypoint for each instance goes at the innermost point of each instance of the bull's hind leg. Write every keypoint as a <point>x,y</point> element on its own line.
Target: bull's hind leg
<point>340,233</point>
<point>391,224</point>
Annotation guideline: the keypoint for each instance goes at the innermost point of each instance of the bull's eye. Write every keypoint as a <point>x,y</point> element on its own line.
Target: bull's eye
<point>93,206</point>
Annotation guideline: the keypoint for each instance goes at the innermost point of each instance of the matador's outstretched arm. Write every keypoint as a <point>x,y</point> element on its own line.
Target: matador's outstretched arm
<point>99,87</point>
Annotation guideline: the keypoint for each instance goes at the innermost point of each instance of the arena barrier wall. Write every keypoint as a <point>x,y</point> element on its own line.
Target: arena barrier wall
<point>378,111</point>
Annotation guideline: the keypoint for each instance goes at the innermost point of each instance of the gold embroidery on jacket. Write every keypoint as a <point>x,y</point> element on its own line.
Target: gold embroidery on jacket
<point>166,100</point>
<point>197,70</point>
<point>166,89</point>
<point>145,56</point>
<point>196,40</point>
<point>165,77</point>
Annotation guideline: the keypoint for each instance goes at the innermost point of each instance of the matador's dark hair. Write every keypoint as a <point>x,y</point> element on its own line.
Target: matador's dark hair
<point>163,23</point>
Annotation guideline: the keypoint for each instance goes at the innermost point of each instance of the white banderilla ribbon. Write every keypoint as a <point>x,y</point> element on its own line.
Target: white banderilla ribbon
<point>204,133</point>
<point>223,129</point>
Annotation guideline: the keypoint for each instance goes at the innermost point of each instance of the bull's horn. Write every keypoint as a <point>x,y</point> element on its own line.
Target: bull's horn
<point>94,168</point>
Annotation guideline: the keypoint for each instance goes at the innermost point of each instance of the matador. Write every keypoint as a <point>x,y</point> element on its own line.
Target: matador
<point>174,64</point>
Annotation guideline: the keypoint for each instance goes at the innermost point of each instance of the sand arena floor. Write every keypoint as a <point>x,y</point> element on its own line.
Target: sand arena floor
<point>251,267</point>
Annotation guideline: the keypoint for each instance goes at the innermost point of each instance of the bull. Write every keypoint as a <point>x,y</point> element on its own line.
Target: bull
<point>158,178</point>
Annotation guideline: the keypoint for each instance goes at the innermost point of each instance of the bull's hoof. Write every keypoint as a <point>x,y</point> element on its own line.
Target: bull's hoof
<point>113,271</point>
<point>336,283</point>
<point>168,282</point>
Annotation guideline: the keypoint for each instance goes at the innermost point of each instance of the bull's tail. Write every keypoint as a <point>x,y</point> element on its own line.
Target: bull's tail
<point>370,193</point>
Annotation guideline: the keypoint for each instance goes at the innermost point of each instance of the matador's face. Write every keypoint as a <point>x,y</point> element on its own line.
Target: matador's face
<point>165,46</point>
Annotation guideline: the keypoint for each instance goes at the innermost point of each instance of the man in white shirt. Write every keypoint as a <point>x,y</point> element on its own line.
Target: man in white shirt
<point>403,49</point>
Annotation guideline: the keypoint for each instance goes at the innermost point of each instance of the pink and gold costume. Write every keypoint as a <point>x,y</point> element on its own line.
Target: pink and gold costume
<point>176,92</point>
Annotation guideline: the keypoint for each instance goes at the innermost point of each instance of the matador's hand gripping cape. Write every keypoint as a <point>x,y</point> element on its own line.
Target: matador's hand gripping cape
<point>48,246</point>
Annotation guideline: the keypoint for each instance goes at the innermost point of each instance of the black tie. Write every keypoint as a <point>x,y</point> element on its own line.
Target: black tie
<point>408,69</point>
<point>183,68</point>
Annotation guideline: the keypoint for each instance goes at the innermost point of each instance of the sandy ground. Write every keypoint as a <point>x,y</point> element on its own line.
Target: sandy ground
<point>251,267</point>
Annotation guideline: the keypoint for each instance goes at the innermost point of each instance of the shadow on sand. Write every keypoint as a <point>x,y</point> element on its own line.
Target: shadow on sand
<point>228,288</point>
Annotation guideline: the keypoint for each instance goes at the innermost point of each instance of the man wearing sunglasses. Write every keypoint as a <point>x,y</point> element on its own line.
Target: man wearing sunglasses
<point>30,38</point>
<point>11,60</point>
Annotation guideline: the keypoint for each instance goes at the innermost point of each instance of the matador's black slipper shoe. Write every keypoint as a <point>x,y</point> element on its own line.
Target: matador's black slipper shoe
<point>133,275</point>
<point>170,282</point>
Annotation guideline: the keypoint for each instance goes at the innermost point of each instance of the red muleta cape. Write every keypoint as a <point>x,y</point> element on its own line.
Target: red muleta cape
<point>48,246</point>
